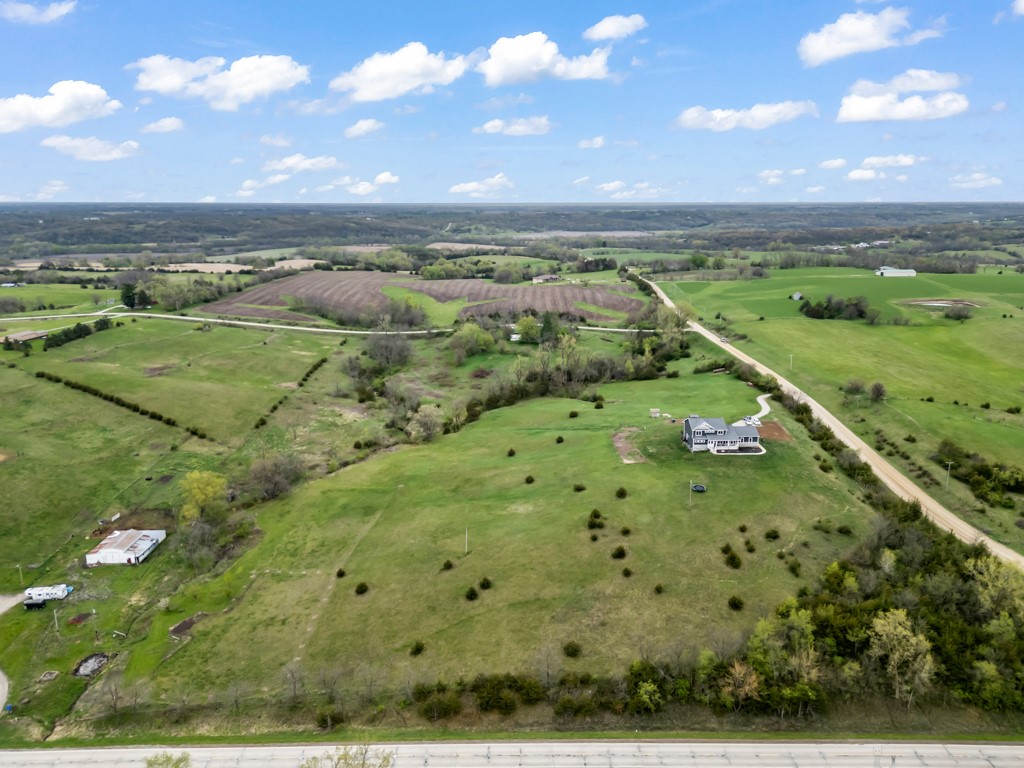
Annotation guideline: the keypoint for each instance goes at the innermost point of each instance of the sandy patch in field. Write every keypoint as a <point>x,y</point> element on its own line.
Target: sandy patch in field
<point>626,450</point>
<point>288,385</point>
<point>297,264</point>
<point>3,457</point>
<point>772,430</point>
<point>943,303</point>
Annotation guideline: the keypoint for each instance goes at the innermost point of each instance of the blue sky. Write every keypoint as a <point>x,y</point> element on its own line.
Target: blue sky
<point>598,102</point>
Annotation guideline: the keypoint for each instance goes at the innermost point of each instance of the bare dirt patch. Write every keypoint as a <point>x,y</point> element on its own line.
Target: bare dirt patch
<point>773,430</point>
<point>629,453</point>
<point>3,457</point>
<point>943,303</point>
<point>157,370</point>
<point>183,627</point>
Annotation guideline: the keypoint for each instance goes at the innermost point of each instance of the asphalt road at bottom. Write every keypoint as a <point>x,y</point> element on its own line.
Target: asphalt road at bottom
<point>576,754</point>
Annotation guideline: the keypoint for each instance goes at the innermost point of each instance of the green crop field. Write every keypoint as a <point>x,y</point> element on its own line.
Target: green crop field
<point>974,362</point>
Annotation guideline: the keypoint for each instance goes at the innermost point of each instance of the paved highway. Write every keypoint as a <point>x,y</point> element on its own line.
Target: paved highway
<point>887,473</point>
<point>582,754</point>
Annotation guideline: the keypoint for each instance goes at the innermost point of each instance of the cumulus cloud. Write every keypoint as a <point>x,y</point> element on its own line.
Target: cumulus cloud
<point>861,32</point>
<point>837,162</point>
<point>580,180</point>
<point>1018,7</point>
<point>385,177</point>
<point>26,13</point>
<point>69,101</point>
<point>521,126</point>
<point>815,190</point>
<point>207,199</point>
<point>410,69</point>
<point>51,189</point>
<point>362,188</point>
<point>362,128</point>
<point>595,143</point>
<point>890,161</point>
<point>798,172</point>
<point>618,27</point>
<point>275,141</point>
<point>489,187</point>
<point>612,186</point>
<point>974,181</point>
<point>247,79</point>
<point>91,149</point>
<point>526,58</point>
<point>756,118</point>
<point>870,101</point>
<point>772,177</point>
<point>250,186</point>
<point>641,189</point>
<point>865,174</point>
<point>299,162</point>
<point>165,125</point>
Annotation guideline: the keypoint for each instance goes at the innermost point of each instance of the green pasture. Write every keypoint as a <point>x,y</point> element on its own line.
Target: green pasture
<point>974,362</point>
<point>440,314</point>
<point>394,520</point>
<point>65,298</point>
<point>220,381</point>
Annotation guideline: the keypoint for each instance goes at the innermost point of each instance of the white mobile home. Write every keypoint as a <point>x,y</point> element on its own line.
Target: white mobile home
<point>58,592</point>
<point>129,547</point>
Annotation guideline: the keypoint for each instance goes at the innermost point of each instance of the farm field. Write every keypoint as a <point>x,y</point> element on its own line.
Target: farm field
<point>365,290</point>
<point>65,298</point>
<point>972,362</point>
<point>388,522</point>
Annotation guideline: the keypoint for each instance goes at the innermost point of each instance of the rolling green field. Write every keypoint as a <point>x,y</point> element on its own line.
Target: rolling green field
<point>65,298</point>
<point>974,362</point>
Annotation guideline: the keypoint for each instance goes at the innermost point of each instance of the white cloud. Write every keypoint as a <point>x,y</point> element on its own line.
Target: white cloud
<point>165,125</point>
<point>91,149</point>
<point>756,118</point>
<point>489,187</point>
<point>69,101</point>
<point>837,162</point>
<point>974,181</point>
<point>865,174</point>
<point>362,128</point>
<point>815,190</point>
<point>521,126</point>
<point>747,190</point>
<point>275,141</point>
<point>641,189</point>
<point>869,101</point>
<point>581,180</point>
<point>207,199</point>
<point>299,162</point>
<point>617,27</point>
<point>891,161</point>
<point>507,102</point>
<point>526,58</point>
<point>51,189</point>
<point>362,188</point>
<point>612,186</point>
<point>771,177</point>
<point>385,177</point>
<point>410,69</point>
<point>250,186</point>
<point>247,79</point>
<point>798,172</point>
<point>236,161</point>
<point>1018,7</point>
<point>26,13</point>
<point>595,143</point>
<point>902,178</point>
<point>861,32</point>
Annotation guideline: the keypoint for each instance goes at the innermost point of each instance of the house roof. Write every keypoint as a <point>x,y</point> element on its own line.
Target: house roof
<point>130,542</point>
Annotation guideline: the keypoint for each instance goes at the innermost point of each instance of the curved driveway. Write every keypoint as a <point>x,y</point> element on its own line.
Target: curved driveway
<point>897,482</point>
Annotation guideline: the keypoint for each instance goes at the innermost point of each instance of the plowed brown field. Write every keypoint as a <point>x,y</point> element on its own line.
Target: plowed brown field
<point>362,290</point>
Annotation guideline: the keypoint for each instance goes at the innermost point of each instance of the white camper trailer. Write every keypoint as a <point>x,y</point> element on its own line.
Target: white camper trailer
<point>58,592</point>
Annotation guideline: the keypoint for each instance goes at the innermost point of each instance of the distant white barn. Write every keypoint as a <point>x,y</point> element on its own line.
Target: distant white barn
<point>129,547</point>
<point>895,272</point>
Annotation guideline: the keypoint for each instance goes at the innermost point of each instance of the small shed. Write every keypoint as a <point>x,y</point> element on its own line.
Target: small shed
<point>545,279</point>
<point>129,547</point>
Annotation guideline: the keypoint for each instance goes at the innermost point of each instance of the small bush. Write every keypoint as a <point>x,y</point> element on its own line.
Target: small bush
<point>772,534</point>
<point>599,405</point>
<point>511,451</point>
<point>529,479</point>
<point>736,603</point>
<point>472,594</point>
<point>749,546</point>
<point>341,573</point>
<point>593,537</point>
<point>595,514</point>
<point>621,493</point>
<point>986,406</point>
<point>559,439</point>
<point>733,560</point>
<point>572,649</point>
<point>417,648</point>
<point>910,439</point>
<point>672,375</point>
<point>794,567</point>
<point>627,572</point>
<point>573,414</point>
<point>619,552</point>
<point>658,589</point>
<point>625,531</point>
<point>447,565</point>
<point>358,445</point>
<point>486,583</point>
<point>578,487</point>
<point>1013,409</point>
<point>362,588</point>
<point>593,524</point>
<point>845,530</point>
<point>743,529</point>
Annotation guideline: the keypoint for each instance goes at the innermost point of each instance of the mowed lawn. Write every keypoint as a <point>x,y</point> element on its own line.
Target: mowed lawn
<point>393,521</point>
<point>975,362</point>
<point>219,381</point>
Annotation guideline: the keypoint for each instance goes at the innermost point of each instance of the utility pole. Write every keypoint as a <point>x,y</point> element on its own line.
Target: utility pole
<point>948,465</point>
<point>56,626</point>
<point>21,578</point>
<point>691,493</point>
